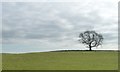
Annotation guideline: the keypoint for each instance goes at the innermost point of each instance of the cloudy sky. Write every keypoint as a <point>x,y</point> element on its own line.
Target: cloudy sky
<point>47,26</point>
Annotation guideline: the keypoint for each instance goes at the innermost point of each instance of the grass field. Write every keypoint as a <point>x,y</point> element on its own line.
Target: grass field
<point>80,60</point>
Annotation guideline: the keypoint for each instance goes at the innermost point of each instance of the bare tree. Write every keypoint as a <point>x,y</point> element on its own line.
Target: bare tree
<point>91,39</point>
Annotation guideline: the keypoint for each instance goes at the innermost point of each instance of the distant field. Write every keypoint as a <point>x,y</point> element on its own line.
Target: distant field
<point>73,60</point>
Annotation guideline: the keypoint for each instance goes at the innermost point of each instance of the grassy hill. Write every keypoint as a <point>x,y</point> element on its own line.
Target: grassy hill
<point>62,60</point>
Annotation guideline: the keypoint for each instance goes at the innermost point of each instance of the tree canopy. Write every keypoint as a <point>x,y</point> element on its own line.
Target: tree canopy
<point>91,39</point>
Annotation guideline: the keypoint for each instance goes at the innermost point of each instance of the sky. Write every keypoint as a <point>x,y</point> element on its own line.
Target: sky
<point>49,26</point>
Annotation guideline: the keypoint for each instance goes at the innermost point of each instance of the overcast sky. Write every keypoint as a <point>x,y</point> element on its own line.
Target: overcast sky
<point>47,26</point>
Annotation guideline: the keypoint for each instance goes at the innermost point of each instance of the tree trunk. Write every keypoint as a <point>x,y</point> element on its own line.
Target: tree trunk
<point>90,48</point>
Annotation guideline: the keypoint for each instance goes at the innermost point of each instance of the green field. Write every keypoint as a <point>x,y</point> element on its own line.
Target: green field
<point>79,60</point>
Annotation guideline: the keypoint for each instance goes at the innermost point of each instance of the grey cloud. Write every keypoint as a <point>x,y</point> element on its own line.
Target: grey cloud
<point>55,22</point>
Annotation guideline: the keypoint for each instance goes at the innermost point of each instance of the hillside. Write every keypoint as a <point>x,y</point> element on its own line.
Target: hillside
<point>70,60</point>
